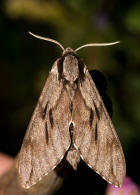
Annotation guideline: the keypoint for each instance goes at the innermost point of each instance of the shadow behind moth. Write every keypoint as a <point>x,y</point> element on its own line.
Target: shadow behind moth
<point>70,120</point>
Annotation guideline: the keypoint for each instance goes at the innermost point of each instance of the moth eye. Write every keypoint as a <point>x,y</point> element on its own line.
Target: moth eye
<point>51,117</point>
<point>44,111</point>
<point>91,117</point>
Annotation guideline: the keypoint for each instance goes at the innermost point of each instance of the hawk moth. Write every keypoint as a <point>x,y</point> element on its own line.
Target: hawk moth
<point>70,120</point>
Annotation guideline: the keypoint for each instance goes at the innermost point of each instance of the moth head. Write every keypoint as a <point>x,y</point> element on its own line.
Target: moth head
<point>70,66</point>
<point>68,50</point>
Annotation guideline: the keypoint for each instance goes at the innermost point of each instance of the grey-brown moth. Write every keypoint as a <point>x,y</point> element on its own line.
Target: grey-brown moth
<point>70,121</point>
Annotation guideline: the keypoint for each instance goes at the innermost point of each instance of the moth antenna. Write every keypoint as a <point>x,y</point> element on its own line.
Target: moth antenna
<point>47,39</point>
<point>97,44</point>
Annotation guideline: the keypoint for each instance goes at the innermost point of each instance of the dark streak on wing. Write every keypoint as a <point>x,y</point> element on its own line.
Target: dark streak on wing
<point>97,111</point>
<point>60,68</point>
<point>44,111</point>
<point>112,168</point>
<point>46,132</point>
<point>51,117</point>
<point>81,70</point>
<point>91,117</point>
<point>96,132</point>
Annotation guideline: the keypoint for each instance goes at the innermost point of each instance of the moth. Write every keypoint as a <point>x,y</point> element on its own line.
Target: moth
<point>70,121</point>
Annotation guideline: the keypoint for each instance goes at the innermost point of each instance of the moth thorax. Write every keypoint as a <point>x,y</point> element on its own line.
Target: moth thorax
<point>70,68</point>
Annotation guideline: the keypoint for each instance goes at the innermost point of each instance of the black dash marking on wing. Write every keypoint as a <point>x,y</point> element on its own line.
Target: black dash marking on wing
<point>46,132</point>
<point>96,133</point>
<point>60,68</point>
<point>97,112</point>
<point>51,117</point>
<point>44,111</point>
<point>71,107</point>
<point>91,117</point>
<point>81,70</point>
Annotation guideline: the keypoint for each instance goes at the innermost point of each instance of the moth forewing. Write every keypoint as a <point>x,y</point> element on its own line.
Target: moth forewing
<point>70,120</point>
<point>95,136</point>
<point>47,137</point>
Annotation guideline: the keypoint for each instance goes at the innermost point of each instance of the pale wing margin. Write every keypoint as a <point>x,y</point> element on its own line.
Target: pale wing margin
<point>95,136</point>
<point>47,137</point>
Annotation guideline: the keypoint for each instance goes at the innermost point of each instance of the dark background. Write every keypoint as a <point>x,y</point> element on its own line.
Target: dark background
<point>25,63</point>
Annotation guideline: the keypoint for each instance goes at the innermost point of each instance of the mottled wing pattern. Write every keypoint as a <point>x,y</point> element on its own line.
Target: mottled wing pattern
<point>47,138</point>
<point>94,135</point>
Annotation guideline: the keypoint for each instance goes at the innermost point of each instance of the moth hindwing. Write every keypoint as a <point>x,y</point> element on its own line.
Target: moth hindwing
<point>70,120</point>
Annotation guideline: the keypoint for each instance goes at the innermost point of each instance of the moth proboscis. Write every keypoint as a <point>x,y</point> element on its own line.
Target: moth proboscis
<point>71,121</point>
